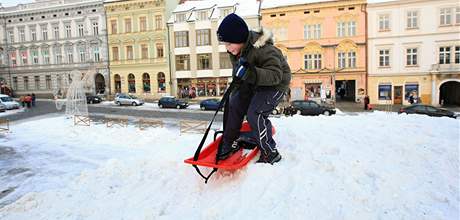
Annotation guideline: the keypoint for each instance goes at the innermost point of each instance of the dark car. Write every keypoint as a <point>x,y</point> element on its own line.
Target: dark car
<point>427,110</point>
<point>209,104</point>
<point>309,107</point>
<point>90,99</point>
<point>171,102</point>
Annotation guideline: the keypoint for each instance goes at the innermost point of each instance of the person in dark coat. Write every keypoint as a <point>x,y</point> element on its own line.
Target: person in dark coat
<point>366,102</point>
<point>261,78</point>
<point>33,99</point>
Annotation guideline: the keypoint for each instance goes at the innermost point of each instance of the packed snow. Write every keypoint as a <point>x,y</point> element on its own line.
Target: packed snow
<point>370,166</point>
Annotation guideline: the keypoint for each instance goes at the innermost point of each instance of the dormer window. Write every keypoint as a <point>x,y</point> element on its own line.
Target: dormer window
<point>180,17</point>
<point>202,16</point>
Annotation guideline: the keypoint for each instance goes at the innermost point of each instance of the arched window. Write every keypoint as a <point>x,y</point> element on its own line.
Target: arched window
<point>146,82</point>
<point>161,82</point>
<point>117,80</point>
<point>131,83</point>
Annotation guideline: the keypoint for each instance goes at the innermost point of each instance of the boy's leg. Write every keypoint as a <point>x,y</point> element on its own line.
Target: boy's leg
<point>262,104</point>
<point>237,108</point>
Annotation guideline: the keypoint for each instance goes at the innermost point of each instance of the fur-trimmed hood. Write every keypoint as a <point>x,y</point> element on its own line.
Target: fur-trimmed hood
<point>259,37</point>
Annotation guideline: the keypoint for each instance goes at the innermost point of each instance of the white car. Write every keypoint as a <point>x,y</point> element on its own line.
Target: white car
<point>8,102</point>
<point>125,99</point>
<point>2,107</point>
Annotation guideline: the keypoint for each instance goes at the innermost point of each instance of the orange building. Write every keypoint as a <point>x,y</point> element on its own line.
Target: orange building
<point>325,46</point>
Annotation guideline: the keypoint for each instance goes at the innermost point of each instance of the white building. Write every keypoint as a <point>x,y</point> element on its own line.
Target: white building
<point>414,47</point>
<point>42,42</point>
<point>198,62</point>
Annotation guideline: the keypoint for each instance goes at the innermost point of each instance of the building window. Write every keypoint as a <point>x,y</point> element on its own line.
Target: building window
<point>131,83</point>
<point>226,12</point>
<point>224,61</point>
<point>341,60</point>
<point>280,34</point>
<point>444,55</point>
<point>37,82</point>
<point>180,17</point>
<point>312,31</point>
<point>113,26</point>
<point>11,36</point>
<point>33,34</point>
<point>202,16</point>
<point>384,92</point>
<point>411,57</point>
<point>457,15</point>
<point>57,55</point>
<point>56,32</point>
<point>146,82</point>
<point>352,28</point>
<point>48,82</point>
<point>22,35</point>
<point>412,19</point>
<point>44,33</point>
<point>13,58</point>
<point>97,57</point>
<point>82,54</point>
<point>46,56</point>
<point>34,56</point>
<point>129,52</point>
<point>384,22</point>
<point>160,53</point>
<point>142,24</point>
<point>144,51</point>
<point>115,53</point>
<point>24,57</point>
<point>182,62</point>
<point>457,54</point>
<point>26,83</point>
<point>445,16</point>
<point>411,89</point>
<point>68,31</point>
<point>15,83</point>
<point>203,37</point>
<point>158,22</point>
<point>352,59</point>
<point>312,61</point>
<point>341,29</point>
<point>161,82</point>
<point>384,58</point>
<point>95,28</point>
<point>181,38</point>
<point>204,61</point>
<point>80,30</point>
<point>127,25</point>
<point>69,54</point>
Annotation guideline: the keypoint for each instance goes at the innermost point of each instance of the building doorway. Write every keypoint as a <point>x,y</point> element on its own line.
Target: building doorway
<point>397,94</point>
<point>345,90</point>
<point>99,84</point>
<point>449,94</point>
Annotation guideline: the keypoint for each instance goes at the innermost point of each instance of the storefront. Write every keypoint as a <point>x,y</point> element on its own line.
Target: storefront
<point>201,87</point>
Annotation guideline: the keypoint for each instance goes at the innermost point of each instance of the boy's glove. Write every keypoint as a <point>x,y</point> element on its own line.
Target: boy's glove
<point>241,67</point>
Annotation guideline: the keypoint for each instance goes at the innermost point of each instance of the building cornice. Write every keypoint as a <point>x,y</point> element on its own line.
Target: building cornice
<point>311,6</point>
<point>399,3</point>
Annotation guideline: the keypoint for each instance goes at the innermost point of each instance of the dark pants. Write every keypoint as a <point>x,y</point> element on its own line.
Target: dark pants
<point>257,108</point>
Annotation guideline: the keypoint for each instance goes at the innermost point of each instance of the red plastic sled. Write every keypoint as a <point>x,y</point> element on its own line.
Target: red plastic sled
<point>207,156</point>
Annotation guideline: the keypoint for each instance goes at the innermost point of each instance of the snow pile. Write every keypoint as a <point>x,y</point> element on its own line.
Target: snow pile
<point>371,166</point>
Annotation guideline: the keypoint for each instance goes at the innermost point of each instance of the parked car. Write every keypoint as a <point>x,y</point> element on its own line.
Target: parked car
<point>310,107</point>
<point>427,110</point>
<point>90,99</point>
<point>2,107</point>
<point>125,99</point>
<point>8,102</point>
<point>171,102</point>
<point>210,104</point>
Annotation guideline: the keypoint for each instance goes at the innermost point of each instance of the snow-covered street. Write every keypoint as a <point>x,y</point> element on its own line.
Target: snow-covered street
<point>369,166</point>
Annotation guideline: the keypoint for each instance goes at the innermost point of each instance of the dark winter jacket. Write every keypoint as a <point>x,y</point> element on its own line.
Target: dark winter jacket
<point>267,67</point>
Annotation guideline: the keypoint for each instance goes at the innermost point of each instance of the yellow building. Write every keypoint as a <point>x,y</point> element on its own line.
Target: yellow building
<point>137,38</point>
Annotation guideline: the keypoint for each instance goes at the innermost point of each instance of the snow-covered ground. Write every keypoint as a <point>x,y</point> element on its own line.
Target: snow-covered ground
<point>370,166</point>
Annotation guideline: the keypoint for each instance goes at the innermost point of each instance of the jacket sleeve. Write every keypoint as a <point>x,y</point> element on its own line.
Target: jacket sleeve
<point>267,68</point>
